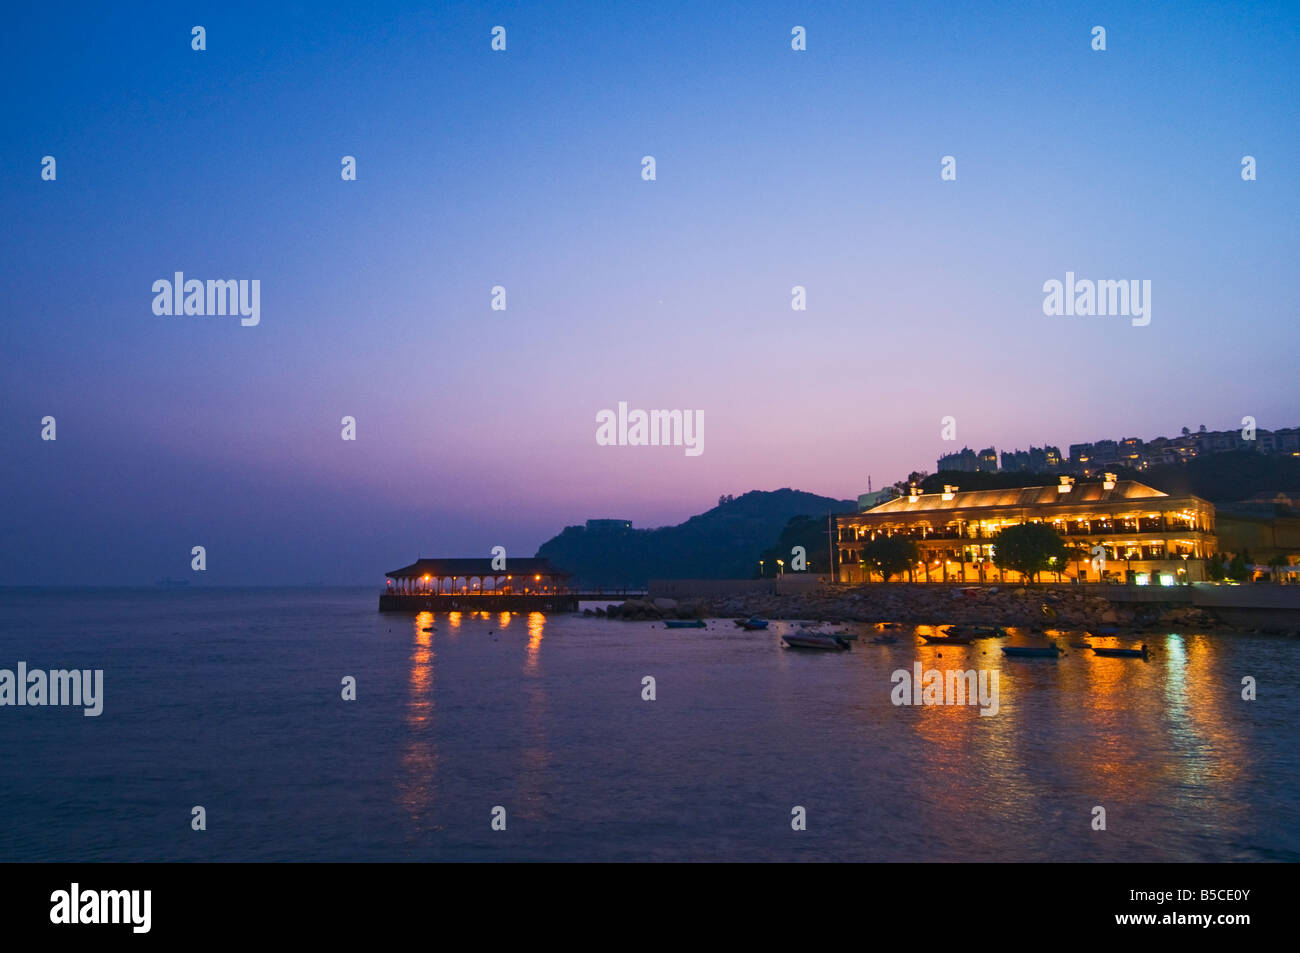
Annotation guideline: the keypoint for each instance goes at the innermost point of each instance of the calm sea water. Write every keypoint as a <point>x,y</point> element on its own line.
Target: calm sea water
<point>231,700</point>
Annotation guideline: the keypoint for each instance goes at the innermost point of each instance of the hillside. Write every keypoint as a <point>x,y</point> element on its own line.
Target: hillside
<point>725,542</point>
<point>1217,477</point>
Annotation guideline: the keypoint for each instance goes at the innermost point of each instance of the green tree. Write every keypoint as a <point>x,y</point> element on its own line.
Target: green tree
<point>1081,553</point>
<point>1237,568</point>
<point>1214,568</point>
<point>806,531</point>
<point>1029,549</point>
<point>888,555</point>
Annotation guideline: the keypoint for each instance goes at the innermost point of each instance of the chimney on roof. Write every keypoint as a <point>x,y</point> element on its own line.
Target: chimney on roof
<point>948,491</point>
<point>913,491</point>
<point>1108,481</point>
<point>1067,484</point>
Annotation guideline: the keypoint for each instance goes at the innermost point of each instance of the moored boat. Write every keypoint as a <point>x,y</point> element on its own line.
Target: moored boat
<point>752,624</point>
<point>1032,651</point>
<point>1121,653</point>
<point>977,631</point>
<point>681,624</point>
<point>947,639</point>
<point>812,640</point>
<point>834,633</point>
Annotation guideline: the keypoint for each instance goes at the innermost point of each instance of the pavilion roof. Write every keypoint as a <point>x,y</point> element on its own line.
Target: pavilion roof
<point>515,566</point>
<point>1014,497</point>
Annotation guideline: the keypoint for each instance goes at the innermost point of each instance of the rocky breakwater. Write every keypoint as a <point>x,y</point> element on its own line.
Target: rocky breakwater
<point>644,609</point>
<point>938,605</point>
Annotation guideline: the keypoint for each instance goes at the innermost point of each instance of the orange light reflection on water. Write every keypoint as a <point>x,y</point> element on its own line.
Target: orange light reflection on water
<point>1125,730</point>
<point>416,789</point>
<point>536,627</point>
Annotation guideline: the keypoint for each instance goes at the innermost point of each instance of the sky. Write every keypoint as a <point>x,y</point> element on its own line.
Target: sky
<point>523,168</point>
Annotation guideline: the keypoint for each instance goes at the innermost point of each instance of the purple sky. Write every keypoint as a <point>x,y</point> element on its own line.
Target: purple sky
<point>775,168</point>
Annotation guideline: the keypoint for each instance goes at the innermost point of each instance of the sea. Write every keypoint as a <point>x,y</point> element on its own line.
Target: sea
<point>518,737</point>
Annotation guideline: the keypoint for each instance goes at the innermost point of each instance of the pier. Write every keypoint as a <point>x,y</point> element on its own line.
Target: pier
<point>478,585</point>
<point>483,602</point>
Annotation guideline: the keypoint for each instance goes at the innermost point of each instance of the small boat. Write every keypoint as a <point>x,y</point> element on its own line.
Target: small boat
<point>427,628</point>
<point>1032,651</point>
<point>810,640</point>
<point>1104,630</point>
<point>835,634</point>
<point>885,640</point>
<point>948,639</point>
<point>889,625</point>
<point>752,624</point>
<point>1121,653</point>
<point>977,631</point>
<point>680,624</point>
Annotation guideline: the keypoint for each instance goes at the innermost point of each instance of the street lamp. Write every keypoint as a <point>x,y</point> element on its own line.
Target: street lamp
<point>780,567</point>
<point>760,569</point>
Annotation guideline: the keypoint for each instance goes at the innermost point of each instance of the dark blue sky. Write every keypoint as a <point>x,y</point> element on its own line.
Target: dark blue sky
<point>775,168</point>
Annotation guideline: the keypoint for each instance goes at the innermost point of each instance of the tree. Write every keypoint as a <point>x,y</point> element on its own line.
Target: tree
<point>1214,568</point>
<point>1082,554</point>
<point>806,531</point>
<point>1237,567</point>
<point>1029,548</point>
<point>915,477</point>
<point>888,555</point>
<point>1276,563</point>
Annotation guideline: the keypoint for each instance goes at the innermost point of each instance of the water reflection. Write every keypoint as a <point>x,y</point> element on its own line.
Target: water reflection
<point>1152,741</point>
<point>417,787</point>
<point>536,626</point>
<point>535,756</point>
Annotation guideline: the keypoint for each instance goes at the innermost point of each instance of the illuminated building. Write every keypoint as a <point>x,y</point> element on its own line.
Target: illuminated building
<point>1142,531</point>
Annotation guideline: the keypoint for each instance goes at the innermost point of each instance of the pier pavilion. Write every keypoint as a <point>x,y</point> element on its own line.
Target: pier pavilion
<point>1160,539</point>
<point>476,584</point>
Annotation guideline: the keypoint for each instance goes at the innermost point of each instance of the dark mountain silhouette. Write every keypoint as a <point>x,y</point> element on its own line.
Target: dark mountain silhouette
<point>725,542</point>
